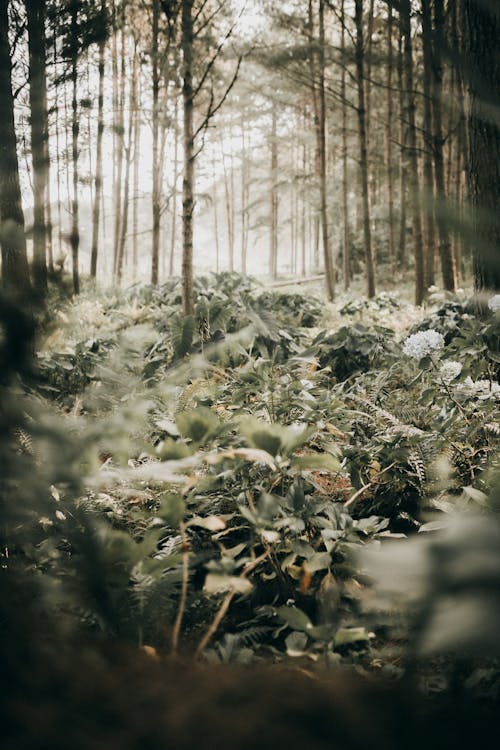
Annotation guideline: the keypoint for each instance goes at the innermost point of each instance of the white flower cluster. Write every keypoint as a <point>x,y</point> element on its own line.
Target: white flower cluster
<point>423,343</point>
<point>480,388</point>
<point>450,370</point>
<point>494,303</point>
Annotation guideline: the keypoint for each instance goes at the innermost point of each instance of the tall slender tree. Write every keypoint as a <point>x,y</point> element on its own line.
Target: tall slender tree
<point>411,150</point>
<point>36,15</point>
<point>363,151</point>
<point>96,210</point>
<point>448,262</point>
<point>15,271</point>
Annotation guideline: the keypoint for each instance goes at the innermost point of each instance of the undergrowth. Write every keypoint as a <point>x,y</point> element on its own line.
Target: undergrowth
<point>206,484</point>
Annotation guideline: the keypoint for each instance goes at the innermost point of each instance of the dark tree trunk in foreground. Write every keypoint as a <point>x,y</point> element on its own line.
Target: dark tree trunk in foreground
<point>363,155</point>
<point>482,72</point>
<point>155,252</point>
<point>36,11</point>
<point>75,130</point>
<point>412,158</point>
<point>15,272</point>
<point>428,172</point>
<point>189,158</point>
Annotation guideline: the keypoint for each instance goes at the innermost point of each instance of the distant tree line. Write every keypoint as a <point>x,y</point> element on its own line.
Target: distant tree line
<point>355,133</point>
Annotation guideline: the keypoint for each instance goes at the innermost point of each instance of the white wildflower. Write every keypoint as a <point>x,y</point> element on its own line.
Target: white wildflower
<point>494,303</point>
<point>450,370</point>
<point>423,343</point>
<point>479,388</point>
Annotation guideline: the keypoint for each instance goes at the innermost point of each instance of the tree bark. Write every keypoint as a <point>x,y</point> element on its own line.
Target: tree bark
<point>482,32</point>
<point>75,129</point>
<point>403,169</point>
<point>273,229</point>
<point>389,137</point>
<point>325,226</point>
<point>345,202</point>
<point>363,156</point>
<point>411,151</point>
<point>15,271</point>
<point>98,162</point>
<point>428,171</point>
<point>155,195</point>
<point>36,14</point>
<point>128,162</point>
<point>448,263</point>
<point>173,228</point>
<point>189,158</point>
<point>120,148</point>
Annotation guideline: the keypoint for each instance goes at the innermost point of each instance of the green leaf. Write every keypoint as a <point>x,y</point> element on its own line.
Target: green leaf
<point>316,461</point>
<point>182,332</point>
<point>294,618</point>
<point>198,425</point>
<point>172,509</point>
<point>345,636</point>
<point>169,450</point>
<point>275,439</point>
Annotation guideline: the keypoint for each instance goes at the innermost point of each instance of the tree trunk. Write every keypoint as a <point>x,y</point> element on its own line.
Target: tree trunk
<point>389,138</point>
<point>403,168</point>
<point>273,234</point>
<point>428,171</point>
<point>316,120</point>
<point>156,208</point>
<point>36,14</point>
<point>135,182</point>
<point>411,150</point>
<point>15,272</point>
<point>448,263</point>
<point>98,162</point>
<point>228,199</point>
<point>244,198</point>
<point>327,251</point>
<point>482,32</point>
<point>345,200</point>
<point>363,157</point>
<point>75,129</point>
<point>215,199</point>
<point>58,149</point>
<point>189,158</point>
<point>128,162</point>
<point>120,146</point>
<point>173,228</point>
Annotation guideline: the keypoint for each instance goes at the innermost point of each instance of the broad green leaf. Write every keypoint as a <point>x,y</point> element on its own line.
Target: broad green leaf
<point>197,425</point>
<point>294,618</point>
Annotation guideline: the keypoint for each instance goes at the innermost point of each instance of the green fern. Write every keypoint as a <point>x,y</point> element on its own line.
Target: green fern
<point>182,332</point>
